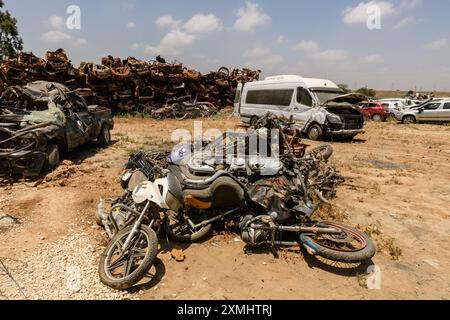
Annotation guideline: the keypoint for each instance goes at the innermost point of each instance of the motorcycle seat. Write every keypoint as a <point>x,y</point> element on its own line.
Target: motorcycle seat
<point>178,172</point>
<point>223,192</point>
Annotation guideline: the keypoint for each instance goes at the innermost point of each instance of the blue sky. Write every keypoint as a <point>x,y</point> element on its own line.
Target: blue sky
<point>320,38</point>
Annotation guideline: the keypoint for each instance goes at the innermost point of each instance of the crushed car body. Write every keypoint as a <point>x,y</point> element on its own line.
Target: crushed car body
<point>130,85</point>
<point>39,121</point>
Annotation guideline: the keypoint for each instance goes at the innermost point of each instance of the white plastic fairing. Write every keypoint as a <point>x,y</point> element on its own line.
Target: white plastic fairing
<point>126,176</point>
<point>155,192</point>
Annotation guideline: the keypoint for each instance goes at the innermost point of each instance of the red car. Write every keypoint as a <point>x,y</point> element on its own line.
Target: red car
<point>375,111</point>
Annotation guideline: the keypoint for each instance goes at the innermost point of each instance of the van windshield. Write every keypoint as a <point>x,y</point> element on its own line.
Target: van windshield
<point>324,95</point>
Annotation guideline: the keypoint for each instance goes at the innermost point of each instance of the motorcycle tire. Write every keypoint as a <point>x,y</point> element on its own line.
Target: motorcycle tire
<point>131,279</point>
<point>326,150</point>
<point>186,238</point>
<point>323,248</point>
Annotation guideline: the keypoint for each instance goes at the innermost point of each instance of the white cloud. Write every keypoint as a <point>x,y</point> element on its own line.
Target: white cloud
<point>57,33</point>
<point>281,39</point>
<point>258,56</point>
<point>201,23</point>
<point>372,58</point>
<point>307,46</point>
<point>131,25</point>
<point>332,55</point>
<point>55,36</point>
<point>137,46</point>
<point>79,43</point>
<point>410,3</point>
<point>360,13</point>
<point>172,43</point>
<point>313,51</point>
<point>437,44</point>
<point>250,17</point>
<point>167,22</point>
<point>181,35</point>
<point>405,22</point>
<point>56,22</point>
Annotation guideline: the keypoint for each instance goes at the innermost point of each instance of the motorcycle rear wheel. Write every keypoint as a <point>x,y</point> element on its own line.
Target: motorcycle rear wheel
<point>120,270</point>
<point>338,247</point>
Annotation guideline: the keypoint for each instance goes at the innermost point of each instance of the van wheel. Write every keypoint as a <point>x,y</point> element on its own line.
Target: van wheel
<point>315,132</point>
<point>253,121</point>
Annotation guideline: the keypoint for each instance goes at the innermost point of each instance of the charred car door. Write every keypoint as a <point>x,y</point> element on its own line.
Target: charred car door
<point>80,123</point>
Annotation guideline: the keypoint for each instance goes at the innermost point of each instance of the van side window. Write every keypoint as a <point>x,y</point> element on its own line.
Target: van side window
<point>447,106</point>
<point>304,98</point>
<point>270,97</point>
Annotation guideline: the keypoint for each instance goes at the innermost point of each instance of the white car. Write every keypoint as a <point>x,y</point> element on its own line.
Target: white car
<point>394,105</point>
<point>430,111</point>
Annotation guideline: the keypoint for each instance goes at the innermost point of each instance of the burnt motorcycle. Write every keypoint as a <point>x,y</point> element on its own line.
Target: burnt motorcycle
<point>274,211</point>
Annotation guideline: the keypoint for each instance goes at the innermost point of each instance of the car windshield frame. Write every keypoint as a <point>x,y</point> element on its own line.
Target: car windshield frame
<point>320,93</point>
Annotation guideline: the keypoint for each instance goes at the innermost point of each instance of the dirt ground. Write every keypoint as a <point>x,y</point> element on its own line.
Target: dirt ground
<point>397,189</point>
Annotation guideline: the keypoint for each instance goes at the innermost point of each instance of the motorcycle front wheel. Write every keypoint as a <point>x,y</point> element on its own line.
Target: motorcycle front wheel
<point>350,246</point>
<point>120,269</point>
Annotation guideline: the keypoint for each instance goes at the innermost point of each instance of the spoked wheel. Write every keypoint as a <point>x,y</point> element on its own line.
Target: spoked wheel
<point>349,246</point>
<point>180,230</point>
<point>121,269</point>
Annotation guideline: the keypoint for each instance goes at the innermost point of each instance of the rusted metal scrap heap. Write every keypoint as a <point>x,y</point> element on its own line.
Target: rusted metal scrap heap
<point>130,85</point>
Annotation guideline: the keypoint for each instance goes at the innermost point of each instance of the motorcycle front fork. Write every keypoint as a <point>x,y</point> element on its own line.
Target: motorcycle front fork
<point>137,226</point>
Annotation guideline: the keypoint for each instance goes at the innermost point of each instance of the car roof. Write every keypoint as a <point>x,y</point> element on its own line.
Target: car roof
<point>295,80</point>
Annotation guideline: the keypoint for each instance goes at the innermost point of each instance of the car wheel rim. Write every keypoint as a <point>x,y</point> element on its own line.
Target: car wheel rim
<point>314,134</point>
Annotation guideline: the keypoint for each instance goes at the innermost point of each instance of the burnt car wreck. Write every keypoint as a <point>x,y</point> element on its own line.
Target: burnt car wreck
<point>41,120</point>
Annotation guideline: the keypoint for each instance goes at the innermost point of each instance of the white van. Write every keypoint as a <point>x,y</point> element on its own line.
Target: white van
<point>319,106</point>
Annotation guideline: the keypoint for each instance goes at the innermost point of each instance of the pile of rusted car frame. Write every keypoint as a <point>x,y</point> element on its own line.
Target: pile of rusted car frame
<point>131,85</point>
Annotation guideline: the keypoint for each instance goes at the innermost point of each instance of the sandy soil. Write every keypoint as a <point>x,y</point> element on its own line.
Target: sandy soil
<point>398,190</point>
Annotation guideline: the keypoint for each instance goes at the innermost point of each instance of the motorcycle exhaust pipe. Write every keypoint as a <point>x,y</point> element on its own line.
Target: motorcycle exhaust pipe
<point>102,217</point>
<point>207,222</point>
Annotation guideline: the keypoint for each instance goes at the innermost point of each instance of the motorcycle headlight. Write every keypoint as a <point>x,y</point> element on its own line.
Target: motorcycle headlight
<point>333,118</point>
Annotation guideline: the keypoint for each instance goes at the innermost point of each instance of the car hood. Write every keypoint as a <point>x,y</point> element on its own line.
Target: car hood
<point>344,100</point>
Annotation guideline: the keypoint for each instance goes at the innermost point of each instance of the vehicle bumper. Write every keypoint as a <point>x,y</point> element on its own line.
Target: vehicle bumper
<point>398,115</point>
<point>25,163</point>
<point>245,119</point>
<point>346,132</point>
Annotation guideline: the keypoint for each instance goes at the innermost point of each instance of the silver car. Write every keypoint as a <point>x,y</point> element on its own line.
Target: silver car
<point>432,111</point>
